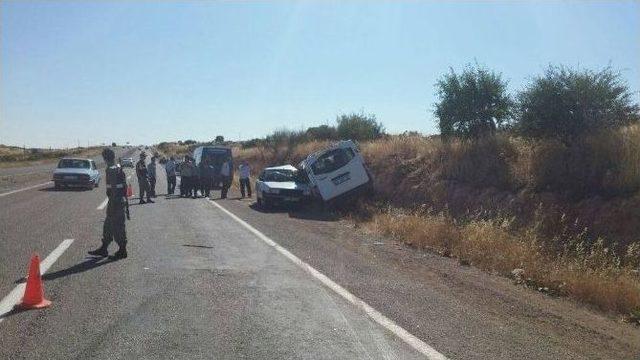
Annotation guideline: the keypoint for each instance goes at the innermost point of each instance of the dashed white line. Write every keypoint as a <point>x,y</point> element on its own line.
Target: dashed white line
<point>9,302</point>
<point>374,314</point>
<point>25,189</point>
<point>103,204</point>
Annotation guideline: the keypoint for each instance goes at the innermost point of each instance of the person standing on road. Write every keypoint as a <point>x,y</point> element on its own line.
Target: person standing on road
<point>151,170</point>
<point>170,168</point>
<point>143,182</point>
<point>194,179</point>
<point>245,178</point>
<point>206,177</point>
<point>117,209</point>
<point>186,175</point>
<point>225,173</point>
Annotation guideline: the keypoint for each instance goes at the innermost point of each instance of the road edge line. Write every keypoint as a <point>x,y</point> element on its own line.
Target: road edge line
<point>9,302</point>
<point>374,314</point>
<point>103,204</point>
<point>25,189</point>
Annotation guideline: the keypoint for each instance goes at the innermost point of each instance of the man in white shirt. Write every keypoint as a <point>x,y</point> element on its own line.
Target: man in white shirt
<point>225,173</point>
<point>245,178</point>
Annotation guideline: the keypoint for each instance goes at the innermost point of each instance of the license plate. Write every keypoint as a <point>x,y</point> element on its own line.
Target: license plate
<point>291,199</point>
<point>341,178</point>
<point>69,177</point>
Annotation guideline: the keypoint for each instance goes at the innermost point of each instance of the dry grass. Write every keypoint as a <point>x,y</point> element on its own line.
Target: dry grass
<point>11,156</point>
<point>594,276</point>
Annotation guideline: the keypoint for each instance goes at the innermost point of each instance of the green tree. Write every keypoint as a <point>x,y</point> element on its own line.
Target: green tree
<point>566,103</point>
<point>473,103</point>
<point>219,139</point>
<point>359,126</point>
<point>322,132</point>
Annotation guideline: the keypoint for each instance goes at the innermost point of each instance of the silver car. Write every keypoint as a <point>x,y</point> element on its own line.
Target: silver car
<point>77,173</point>
<point>281,185</point>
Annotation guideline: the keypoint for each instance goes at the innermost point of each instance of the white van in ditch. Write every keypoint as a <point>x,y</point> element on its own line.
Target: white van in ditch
<point>337,171</point>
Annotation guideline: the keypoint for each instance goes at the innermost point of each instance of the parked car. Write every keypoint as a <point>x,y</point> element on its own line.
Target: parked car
<point>127,162</point>
<point>337,172</point>
<point>281,185</point>
<point>76,172</point>
<point>216,155</point>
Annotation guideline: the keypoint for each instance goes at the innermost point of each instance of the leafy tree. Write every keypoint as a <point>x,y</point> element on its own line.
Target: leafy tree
<point>189,142</point>
<point>359,126</point>
<point>219,139</point>
<point>285,137</point>
<point>113,144</point>
<point>566,103</point>
<point>322,132</point>
<point>473,103</point>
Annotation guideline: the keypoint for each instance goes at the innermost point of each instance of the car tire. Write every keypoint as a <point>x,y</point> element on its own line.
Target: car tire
<point>57,186</point>
<point>96,184</point>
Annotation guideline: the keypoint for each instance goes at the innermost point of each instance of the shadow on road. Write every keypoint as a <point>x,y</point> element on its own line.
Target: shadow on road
<point>89,264</point>
<point>198,246</point>
<point>72,189</point>
<point>14,311</point>
<point>301,211</point>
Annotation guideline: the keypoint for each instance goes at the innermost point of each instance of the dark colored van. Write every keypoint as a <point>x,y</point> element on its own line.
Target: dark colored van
<point>216,155</point>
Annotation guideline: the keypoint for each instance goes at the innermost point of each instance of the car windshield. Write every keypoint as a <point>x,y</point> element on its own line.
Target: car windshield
<point>332,161</point>
<point>279,175</point>
<point>73,164</point>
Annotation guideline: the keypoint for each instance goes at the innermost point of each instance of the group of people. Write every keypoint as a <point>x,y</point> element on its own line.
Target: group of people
<point>193,178</point>
<point>204,177</point>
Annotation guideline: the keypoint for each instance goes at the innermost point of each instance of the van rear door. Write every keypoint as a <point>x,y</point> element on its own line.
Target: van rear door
<point>338,171</point>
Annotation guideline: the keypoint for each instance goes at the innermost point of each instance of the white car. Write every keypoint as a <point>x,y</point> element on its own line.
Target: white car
<point>76,172</point>
<point>127,162</point>
<point>337,171</point>
<point>281,185</point>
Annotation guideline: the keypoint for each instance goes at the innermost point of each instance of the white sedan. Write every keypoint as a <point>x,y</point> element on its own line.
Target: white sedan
<point>280,185</point>
<point>76,172</point>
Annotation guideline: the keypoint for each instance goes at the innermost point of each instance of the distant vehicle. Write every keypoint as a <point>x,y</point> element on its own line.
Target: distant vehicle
<point>337,171</point>
<point>77,173</point>
<point>281,185</point>
<point>127,162</point>
<point>216,156</point>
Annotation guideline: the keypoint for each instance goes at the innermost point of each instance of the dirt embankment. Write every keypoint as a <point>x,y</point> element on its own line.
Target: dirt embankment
<point>563,220</point>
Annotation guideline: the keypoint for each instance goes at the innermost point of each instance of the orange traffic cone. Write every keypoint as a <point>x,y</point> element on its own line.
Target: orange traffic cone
<point>34,292</point>
<point>129,191</point>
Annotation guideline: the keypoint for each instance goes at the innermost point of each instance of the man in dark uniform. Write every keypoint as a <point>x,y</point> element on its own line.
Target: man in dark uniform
<point>117,209</point>
<point>143,179</point>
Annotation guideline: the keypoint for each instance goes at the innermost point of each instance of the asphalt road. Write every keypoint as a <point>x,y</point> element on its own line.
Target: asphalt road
<point>199,284</point>
<point>12,178</point>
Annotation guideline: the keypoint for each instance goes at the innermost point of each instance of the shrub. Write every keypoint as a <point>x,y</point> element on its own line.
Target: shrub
<point>359,126</point>
<point>565,103</point>
<point>322,132</point>
<point>219,139</point>
<point>472,104</point>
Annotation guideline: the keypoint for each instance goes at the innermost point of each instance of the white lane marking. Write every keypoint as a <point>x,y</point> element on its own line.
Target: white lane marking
<point>10,301</point>
<point>374,314</point>
<point>103,204</point>
<point>25,189</point>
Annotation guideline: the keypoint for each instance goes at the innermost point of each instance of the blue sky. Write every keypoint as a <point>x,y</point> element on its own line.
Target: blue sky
<point>144,72</point>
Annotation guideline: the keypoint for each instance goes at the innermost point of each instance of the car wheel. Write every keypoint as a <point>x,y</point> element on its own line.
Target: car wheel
<point>97,183</point>
<point>57,185</point>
